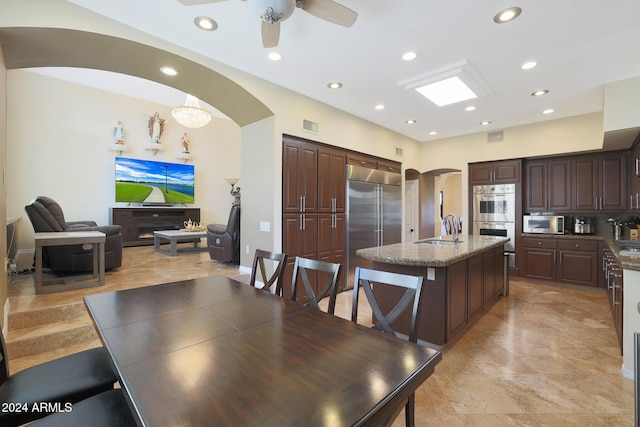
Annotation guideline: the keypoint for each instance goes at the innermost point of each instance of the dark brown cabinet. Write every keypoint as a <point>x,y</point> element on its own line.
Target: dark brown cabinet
<point>299,238</point>
<point>332,234</point>
<point>563,260</point>
<point>476,280</point>
<point>634,178</point>
<point>500,172</point>
<point>299,176</point>
<point>578,262</point>
<point>548,186</point>
<point>456,297</point>
<point>138,224</point>
<point>331,180</point>
<point>599,183</point>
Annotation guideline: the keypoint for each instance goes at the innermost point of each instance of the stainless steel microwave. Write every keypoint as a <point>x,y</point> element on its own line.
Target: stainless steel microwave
<point>543,224</point>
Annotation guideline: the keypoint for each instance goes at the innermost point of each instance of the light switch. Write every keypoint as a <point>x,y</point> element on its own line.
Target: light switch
<point>265,226</point>
<point>431,273</point>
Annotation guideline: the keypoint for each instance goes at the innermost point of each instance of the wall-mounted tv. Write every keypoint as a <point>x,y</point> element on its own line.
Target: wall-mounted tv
<point>150,182</point>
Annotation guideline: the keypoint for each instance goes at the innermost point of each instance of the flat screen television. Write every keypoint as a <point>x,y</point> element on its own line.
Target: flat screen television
<point>150,182</point>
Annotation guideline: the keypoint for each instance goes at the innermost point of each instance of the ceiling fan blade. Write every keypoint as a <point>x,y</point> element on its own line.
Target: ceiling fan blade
<point>331,11</point>
<point>196,2</point>
<point>270,34</point>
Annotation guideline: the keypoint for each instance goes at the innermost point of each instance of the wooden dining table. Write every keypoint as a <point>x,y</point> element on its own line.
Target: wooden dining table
<point>214,351</point>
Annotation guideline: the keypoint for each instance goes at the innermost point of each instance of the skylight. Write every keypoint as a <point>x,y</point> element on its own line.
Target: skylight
<point>447,91</point>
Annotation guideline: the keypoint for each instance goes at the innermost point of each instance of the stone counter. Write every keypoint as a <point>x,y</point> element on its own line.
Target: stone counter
<point>431,255</point>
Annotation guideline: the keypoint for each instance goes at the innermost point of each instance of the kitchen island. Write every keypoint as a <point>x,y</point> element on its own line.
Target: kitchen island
<point>461,281</point>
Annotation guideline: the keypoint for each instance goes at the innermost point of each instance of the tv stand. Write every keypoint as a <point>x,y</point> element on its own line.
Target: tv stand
<point>138,224</point>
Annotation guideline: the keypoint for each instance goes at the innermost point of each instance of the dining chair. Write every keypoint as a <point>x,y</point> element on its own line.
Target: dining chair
<point>366,279</point>
<point>301,270</point>
<point>107,409</point>
<point>276,277</point>
<point>68,379</point>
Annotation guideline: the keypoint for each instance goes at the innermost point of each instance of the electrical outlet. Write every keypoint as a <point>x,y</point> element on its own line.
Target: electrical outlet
<point>265,226</point>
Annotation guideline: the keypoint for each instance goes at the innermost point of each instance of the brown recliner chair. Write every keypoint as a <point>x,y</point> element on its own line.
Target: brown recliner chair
<point>46,216</point>
<point>224,240</point>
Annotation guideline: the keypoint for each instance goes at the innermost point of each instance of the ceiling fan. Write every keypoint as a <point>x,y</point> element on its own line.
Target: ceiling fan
<point>272,12</point>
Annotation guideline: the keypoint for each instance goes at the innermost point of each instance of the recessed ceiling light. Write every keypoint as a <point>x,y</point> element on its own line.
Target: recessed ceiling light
<point>205,23</point>
<point>169,71</point>
<point>379,107</point>
<point>433,132</point>
<point>485,123</point>
<point>447,91</point>
<point>529,65</point>
<point>409,56</point>
<point>275,56</point>
<point>410,121</point>
<point>548,111</point>
<point>470,108</point>
<point>334,85</point>
<point>507,15</point>
<point>540,92</point>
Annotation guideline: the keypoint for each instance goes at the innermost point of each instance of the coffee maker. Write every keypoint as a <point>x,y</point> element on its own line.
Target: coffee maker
<point>583,225</point>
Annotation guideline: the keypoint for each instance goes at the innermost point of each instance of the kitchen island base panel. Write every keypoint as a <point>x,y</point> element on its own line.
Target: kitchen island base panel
<point>447,291</point>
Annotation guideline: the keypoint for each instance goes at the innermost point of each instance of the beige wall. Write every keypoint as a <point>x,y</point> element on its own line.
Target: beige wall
<point>59,136</point>
<point>621,105</point>
<point>573,134</point>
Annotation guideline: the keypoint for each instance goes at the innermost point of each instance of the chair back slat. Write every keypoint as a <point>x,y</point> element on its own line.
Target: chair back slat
<point>366,279</point>
<point>301,270</point>
<point>276,276</point>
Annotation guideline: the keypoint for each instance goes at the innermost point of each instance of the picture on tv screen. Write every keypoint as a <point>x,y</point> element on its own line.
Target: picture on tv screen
<point>149,182</point>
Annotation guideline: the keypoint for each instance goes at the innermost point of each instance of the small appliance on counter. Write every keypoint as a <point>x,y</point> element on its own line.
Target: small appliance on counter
<point>543,224</point>
<point>583,225</point>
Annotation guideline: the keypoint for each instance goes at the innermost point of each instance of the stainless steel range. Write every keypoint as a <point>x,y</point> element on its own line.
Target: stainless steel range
<point>494,214</point>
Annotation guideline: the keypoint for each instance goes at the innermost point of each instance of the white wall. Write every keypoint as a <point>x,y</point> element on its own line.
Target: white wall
<point>58,136</point>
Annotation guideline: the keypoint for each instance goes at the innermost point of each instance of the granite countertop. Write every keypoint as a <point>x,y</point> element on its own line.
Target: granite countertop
<point>430,255</point>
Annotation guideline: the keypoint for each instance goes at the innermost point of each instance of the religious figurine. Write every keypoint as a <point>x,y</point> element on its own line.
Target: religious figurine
<point>156,128</point>
<point>185,143</point>
<point>118,133</point>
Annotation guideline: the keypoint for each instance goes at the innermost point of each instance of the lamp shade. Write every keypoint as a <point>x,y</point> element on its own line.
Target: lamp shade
<point>190,114</point>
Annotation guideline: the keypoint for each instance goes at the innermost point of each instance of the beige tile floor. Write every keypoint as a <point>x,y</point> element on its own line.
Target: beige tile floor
<point>544,356</point>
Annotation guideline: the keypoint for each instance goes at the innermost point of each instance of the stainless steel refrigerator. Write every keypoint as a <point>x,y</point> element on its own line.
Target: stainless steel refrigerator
<point>374,213</point>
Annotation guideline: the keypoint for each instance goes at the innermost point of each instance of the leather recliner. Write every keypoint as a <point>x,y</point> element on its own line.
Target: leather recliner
<point>46,216</point>
<point>224,240</point>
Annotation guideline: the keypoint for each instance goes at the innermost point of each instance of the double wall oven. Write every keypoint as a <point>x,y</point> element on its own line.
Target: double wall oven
<point>494,214</point>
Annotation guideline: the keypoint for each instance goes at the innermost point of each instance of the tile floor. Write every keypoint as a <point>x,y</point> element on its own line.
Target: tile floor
<point>544,356</point>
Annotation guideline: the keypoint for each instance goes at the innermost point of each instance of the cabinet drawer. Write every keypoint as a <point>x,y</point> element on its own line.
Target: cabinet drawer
<point>389,167</point>
<point>540,243</point>
<point>361,161</point>
<point>578,245</point>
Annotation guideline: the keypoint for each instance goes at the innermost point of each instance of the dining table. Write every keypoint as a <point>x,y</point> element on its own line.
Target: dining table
<point>215,351</point>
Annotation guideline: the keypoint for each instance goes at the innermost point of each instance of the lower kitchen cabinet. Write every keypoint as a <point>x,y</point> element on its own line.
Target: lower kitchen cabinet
<point>563,260</point>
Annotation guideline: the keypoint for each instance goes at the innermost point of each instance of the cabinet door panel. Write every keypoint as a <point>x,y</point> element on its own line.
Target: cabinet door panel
<point>490,278</point>
<point>540,263</point>
<point>480,173</point>
<point>585,183</point>
<point>291,184</point>
<point>537,186</point>
<point>507,171</point>
<point>578,267</point>
<point>613,182</point>
<point>457,301</point>
<point>559,184</point>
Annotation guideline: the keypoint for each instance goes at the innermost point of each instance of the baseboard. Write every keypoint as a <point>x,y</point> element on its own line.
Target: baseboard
<point>627,373</point>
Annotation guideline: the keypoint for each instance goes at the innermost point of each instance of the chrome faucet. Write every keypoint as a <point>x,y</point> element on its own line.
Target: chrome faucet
<point>454,224</point>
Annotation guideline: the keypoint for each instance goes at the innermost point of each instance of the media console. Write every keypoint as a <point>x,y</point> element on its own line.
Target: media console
<point>138,224</point>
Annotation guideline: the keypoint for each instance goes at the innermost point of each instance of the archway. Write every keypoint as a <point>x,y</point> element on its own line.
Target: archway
<point>27,47</point>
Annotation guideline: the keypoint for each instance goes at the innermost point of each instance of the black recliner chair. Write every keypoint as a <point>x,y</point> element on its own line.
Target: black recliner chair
<point>46,216</point>
<point>224,240</point>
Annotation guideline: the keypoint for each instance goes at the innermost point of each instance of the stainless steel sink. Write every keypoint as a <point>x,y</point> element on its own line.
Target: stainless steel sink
<point>438,241</point>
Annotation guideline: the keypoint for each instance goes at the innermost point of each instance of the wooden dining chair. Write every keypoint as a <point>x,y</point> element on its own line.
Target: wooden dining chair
<point>68,379</point>
<point>107,409</point>
<point>276,277</point>
<point>301,270</point>
<point>411,300</point>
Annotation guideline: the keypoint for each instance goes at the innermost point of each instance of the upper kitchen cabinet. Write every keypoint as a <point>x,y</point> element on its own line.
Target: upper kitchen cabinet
<point>548,185</point>
<point>362,160</point>
<point>299,176</point>
<point>634,177</point>
<point>500,172</point>
<point>599,182</point>
<point>332,180</point>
